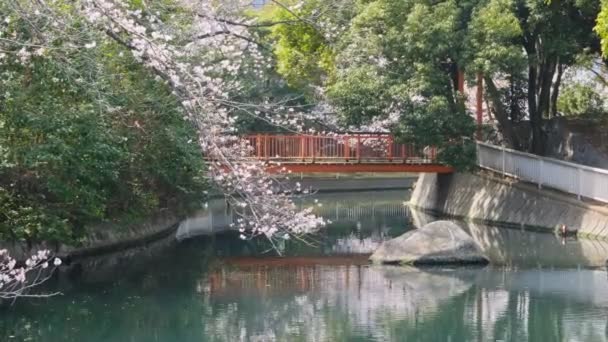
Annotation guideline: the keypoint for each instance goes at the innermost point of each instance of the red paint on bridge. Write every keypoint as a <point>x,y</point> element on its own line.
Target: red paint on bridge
<point>347,153</point>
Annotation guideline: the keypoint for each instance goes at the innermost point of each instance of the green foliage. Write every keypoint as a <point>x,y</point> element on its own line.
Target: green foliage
<point>581,100</point>
<point>360,95</point>
<point>303,40</point>
<point>94,139</point>
<point>22,219</point>
<point>395,51</point>
<point>443,127</point>
<point>493,39</point>
<point>395,58</point>
<point>601,27</point>
<point>501,32</point>
<point>302,56</point>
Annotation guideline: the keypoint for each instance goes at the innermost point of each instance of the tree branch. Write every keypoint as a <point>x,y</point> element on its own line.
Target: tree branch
<point>501,113</point>
<point>242,24</point>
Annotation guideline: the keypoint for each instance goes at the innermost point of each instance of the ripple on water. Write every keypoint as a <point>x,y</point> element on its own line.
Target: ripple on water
<point>223,289</point>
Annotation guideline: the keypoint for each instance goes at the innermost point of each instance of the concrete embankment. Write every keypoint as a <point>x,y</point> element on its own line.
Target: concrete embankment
<point>487,198</point>
<point>106,238</point>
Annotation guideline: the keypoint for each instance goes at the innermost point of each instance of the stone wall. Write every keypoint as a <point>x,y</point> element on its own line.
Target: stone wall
<point>112,237</point>
<point>579,141</point>
<point>491,199</point>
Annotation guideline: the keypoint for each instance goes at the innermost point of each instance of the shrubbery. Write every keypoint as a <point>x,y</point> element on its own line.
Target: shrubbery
<point>76,150</point>
<point>581,100</point>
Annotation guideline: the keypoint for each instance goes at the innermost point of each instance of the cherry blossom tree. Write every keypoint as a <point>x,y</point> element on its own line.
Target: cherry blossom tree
<point>203,71</point>
<point>200,49</point>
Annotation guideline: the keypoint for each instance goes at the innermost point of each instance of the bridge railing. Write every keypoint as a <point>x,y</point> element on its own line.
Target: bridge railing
<point>580,180</point>
<point>355,147</point>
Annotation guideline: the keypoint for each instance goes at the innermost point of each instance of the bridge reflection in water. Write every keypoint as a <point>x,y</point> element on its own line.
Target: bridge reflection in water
<point>339,297</point>
<point>212,290</point>
<point>334,295</point>
<point>402,304</point>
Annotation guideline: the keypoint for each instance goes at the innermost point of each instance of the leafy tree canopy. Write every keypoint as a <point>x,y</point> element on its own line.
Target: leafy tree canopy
<point>401,59</point>
<point>82,142</point>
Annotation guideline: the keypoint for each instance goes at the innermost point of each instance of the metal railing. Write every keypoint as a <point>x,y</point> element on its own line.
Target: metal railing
<point>580,180</point>
<point>352,147</point>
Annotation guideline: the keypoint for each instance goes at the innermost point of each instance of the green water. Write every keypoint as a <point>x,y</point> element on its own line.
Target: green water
<point>225,289</point>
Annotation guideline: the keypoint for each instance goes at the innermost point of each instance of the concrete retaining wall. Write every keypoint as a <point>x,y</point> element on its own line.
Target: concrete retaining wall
<point>490,199</point>
<point>106,238</point>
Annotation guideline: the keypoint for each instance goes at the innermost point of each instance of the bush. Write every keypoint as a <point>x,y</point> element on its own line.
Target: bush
<point>99,139</point>
<point>581,100</point>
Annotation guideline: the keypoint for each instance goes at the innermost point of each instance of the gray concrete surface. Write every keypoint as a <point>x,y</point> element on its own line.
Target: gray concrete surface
<point>489,199</point>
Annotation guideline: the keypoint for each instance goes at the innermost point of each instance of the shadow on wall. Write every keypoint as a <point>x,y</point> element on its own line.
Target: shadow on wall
<point>506,202</point>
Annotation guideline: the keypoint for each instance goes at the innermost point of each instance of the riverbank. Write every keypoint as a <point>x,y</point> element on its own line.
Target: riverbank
<point>487,198</point>
<point>105,238</point>
<point>111,237</point>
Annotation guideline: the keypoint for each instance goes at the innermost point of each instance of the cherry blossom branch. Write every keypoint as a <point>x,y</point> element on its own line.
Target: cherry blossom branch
<point>252,25</point>
<point>204,75</point>
<point>16,282</point>
<point>266,209</point>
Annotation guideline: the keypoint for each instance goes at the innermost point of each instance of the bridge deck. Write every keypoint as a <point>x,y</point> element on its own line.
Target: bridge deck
<point>358,152</point>
<point>323,167</point>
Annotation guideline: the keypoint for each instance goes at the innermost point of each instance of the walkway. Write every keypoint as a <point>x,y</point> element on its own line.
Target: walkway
<point>343,153</point>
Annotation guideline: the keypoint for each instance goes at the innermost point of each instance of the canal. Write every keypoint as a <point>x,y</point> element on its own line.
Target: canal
<point>203,287</point>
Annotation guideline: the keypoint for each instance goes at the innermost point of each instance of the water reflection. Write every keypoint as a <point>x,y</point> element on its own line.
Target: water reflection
<point>224,289</point>
<point>347,303</point>
<point>337,303</point>
<point>232,302</point>
<point>360,221</point>
<point>518,248</point>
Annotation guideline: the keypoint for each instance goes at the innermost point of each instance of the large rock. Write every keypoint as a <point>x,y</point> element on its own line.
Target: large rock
<point>437,243</point>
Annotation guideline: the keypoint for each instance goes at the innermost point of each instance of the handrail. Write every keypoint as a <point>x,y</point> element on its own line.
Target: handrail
<point>351,148</point>
<point>580,180</point>
<point>553,160</point>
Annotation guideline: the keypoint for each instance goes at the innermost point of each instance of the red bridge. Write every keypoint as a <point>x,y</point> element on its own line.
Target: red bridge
<point>344,153</point>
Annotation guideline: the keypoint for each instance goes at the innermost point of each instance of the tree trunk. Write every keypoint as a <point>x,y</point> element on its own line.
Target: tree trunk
<point>555,93</point>
<point>530,42</point>
<point>505,125</point>
<point>543,108</point>
<point>534,113</point>
<point>546,72</point>
<point>513,100</point>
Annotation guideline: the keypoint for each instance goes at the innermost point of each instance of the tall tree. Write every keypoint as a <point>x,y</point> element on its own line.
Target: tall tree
<point>399,62</point>
<point>510,41</point>
<point>196,51</point>
<point>397,52</point>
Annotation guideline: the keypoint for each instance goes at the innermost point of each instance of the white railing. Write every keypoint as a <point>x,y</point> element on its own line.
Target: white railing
<point>580,180</point>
